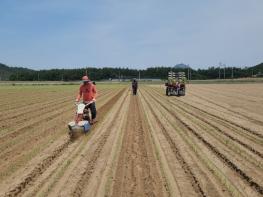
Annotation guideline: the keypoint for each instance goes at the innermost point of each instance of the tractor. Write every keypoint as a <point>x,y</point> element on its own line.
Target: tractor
<point>175,84</point>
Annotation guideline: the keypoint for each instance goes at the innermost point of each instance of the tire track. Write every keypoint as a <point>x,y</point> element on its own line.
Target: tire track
<point>249,180</point>
<point>42,166</point>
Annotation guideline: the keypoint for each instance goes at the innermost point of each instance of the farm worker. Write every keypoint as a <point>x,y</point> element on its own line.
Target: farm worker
<point>134,86</point>
<point>88,93</point>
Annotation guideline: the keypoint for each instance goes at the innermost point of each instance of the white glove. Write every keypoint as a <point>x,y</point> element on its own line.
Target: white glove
<point>76,102</point>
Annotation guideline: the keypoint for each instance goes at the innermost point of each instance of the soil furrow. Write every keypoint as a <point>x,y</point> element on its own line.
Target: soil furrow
<point>212,178</point>
<point>54,178</point>
<point>41,167</point>
<point>200,117</point>
<point>249,180</point>
<point>136,171</point>
<point>23,102</point>
<point>46,115</point>
<point>222,122</point>
<point>185,166</point>
<point>85,176</point>
<point>206,143</point>
<point>222,119</point>
<point>32,110</point>
<point>35,101</point>
<point>38,110</point>
<point>230,122</point>
<point>228,109</point>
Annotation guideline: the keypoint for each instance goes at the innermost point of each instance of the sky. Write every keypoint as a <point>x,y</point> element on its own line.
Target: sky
<point>130,33</point>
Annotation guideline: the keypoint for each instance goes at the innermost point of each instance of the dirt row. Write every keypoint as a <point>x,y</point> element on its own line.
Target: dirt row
<point>246,166</point>
<point>144,145</point>
<point>50,136</point>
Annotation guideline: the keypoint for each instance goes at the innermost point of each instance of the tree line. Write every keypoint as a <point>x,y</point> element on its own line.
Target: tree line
<point>97,74</point>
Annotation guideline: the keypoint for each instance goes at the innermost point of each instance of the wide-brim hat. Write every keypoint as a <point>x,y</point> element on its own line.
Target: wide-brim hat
<point>85,79</point>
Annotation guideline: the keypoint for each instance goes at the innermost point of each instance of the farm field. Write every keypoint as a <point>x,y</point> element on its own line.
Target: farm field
<point>207,143</point>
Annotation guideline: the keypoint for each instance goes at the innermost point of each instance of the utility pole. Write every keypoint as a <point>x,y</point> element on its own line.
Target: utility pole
<point>139,75</point>
<point>232,75</point>
<point>86,72</point>
<point>219,72</point>
<point>188,73</point>
<point>38,76</point>
<point>224,71</point>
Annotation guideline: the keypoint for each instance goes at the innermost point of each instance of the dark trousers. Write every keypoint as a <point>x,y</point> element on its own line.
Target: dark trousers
<point>134,91</point>
<point>93,110</point>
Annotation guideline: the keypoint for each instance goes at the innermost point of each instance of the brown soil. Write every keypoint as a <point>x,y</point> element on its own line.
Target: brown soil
<point>208,144</point>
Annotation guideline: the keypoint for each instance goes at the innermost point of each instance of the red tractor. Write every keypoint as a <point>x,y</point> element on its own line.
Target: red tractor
<point>175,84</point>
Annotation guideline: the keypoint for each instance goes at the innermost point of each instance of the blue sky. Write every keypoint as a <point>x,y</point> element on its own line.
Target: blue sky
<point>135,33</point>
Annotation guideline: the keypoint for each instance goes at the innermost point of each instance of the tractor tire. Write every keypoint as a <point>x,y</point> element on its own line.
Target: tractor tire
<point>184,92</point>
<point>167,91</point>
<point>178,93</point>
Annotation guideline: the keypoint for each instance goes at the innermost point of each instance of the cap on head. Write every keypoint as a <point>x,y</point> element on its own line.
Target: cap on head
<point>85,78</point>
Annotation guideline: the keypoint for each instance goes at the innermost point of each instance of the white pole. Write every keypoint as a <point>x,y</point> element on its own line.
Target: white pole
<point>224,71</point>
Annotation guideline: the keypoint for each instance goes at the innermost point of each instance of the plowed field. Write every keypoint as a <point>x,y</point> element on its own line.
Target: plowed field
<point>207,143</point>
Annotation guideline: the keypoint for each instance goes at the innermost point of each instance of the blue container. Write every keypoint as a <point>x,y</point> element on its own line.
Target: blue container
<point>86,126</point>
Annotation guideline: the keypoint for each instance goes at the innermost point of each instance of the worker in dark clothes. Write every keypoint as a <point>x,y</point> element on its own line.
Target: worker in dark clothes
<point>134,86</point>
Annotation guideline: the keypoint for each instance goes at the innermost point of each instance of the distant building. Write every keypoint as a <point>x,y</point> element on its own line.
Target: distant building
<point>260,74</point>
